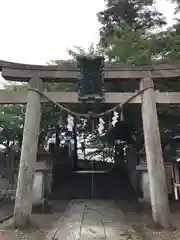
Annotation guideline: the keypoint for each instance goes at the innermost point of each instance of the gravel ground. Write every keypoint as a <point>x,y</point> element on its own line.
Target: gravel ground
<point>139,224</point>
<point>41,222</point>
<point>6,208</point>
<point>142,226</point>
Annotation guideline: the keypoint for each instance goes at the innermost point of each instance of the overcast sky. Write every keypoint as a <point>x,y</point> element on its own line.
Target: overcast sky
<point>36,31</point>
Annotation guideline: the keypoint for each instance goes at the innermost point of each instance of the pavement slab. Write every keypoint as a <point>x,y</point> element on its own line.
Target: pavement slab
<point>91,219</point>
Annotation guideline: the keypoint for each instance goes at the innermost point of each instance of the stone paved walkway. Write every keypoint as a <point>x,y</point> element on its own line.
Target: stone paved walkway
<point>94,219</point>
<point>87,219</point>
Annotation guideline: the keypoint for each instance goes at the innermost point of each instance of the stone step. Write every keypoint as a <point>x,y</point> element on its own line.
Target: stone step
<point>99,186</point>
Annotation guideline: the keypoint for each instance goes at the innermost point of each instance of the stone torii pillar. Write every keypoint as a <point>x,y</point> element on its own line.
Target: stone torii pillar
<point>23,203</point>
<point>155,164</point>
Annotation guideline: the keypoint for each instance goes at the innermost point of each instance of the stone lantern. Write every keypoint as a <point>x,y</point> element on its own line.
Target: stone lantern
<point>144,176</point>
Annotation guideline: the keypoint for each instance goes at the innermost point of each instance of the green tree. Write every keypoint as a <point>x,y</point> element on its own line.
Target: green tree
<point>137,14</point>
<point>177,5</point>
<point>127,38</point>
<point>12,117</point>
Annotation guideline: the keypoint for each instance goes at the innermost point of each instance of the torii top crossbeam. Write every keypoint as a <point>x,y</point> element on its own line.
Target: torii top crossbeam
<point>68,71</point>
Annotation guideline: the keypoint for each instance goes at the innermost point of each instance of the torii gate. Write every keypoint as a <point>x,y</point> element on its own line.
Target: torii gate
<point>37,75</point>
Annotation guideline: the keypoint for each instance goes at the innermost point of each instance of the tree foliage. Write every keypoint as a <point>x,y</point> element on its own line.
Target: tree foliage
<point>137,14</point>
<point>12,117</point>
<point>132,34</point>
